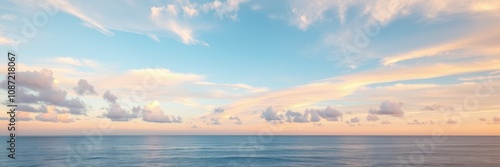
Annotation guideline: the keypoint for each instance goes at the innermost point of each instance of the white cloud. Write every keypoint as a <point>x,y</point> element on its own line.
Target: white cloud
<point>228,8</point>
<point>88,21</point>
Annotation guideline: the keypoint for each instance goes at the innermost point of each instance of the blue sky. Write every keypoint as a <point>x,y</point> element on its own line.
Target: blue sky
<point>258,60</point>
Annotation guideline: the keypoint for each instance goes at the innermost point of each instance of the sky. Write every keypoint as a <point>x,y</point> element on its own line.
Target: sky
<point>219,67</point>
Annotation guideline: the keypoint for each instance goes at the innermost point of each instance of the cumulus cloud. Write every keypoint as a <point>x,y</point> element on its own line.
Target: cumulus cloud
<point>215,121</point>
<point>372,117</point>
<point>355,120</point>
<point>389,108</point>
<point>329,114</point>
<point>270,114</point>
<point>292,116</point>
<point>84,88</point>
<point>41,88</point>
<point>116,113</point>
<point>109,97</point>
<point>309,115</point>
<point>236,118</point>
<point>153,113</point>
<point>219,110</point>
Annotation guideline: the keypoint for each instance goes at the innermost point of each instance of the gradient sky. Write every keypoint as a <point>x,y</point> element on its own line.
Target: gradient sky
<point>254,67</point>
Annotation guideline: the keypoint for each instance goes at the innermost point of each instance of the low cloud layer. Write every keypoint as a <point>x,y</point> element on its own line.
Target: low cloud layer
<point>309,115</point>
<point>389,108</point>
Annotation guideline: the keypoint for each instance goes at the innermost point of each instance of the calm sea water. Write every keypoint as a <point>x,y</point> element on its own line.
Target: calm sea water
<point>254,151</point>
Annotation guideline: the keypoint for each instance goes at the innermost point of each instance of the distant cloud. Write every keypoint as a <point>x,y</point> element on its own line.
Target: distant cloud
<point>389,108</point>
<point>417,122</point>
<point>270,114</point>
<point>109,97</point>
<point>219,110</point>
<point>215,121</point>
<point>53,116</point>
<point>41,88</point>
<point>385,122</point>
<point>238,121</point>
<point>84,88</point>
<point>355,120</point>
<point>438,107</point>
<point>450,121</point>
<point>195,127</point>
<point>310,115</point>
<point>372,117</point>
<point>330,114</point>
<point>483,119</point>
<point>292,116</point>
<point>116,113</point>
<point>496,120</point>
<point>29,108</point>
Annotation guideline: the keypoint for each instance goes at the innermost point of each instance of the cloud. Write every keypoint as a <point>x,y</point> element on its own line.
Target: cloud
<point>108,96</point>
<point>190,11</point>
<point>305,14</point>
<point>292,116</point>
<point>215,121</point>
<point>41,88</point>
<point>88,21</point>
<point>483,119</point>
<point>416,122</point>
<point>238,121</point>
<point>116,113</point>
<point>389,108</point>
<point>385,122</point>
<point>330,114</point>
<point>496,120</point>
<point>173,18</point>
<point>153,113</point>
<point>228,8</point>
<point>29,108</point>
<point>270,114</point>
<point>450,121</point>
<point>53,116</point>
<point>84,88</point>
<point>165,17</point>
<point>219,110</point>
<point>355,120</point>
<point>309,115</point>
<point>438,107</point>
<point>195,127</point>
<point>372,117</point>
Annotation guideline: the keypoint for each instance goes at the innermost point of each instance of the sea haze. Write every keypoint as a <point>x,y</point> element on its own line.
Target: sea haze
<point>255,151</point>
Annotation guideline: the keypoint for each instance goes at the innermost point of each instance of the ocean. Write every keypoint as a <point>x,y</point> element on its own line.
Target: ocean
<point>254,151</point>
